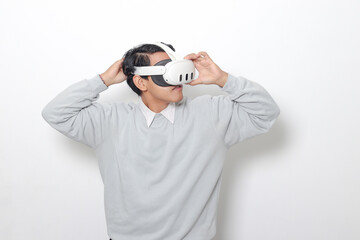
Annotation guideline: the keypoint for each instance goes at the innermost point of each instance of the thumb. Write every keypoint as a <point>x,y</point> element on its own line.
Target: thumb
<point>195,82</point>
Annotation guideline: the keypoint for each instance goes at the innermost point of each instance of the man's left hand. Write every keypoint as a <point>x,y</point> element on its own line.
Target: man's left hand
<point>209,72</point>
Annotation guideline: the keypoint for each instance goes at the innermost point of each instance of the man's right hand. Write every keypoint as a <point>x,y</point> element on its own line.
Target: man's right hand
<point>114,74</point>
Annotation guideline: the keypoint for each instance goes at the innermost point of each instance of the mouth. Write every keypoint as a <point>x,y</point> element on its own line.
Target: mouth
<point>178,87</point>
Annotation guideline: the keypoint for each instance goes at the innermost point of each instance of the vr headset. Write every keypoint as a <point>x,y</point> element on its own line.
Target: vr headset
<point>169,72</point>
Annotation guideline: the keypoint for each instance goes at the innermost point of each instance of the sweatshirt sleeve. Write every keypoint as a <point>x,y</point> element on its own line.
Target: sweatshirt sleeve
<point>247,110</point>
<point>74,112</point>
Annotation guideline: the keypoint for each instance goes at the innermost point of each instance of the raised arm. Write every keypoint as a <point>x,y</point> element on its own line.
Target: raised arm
<point>246,111</point>
<point>75,113</point>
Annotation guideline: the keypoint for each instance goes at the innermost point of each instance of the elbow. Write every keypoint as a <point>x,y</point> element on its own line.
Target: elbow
<point>276,111</point>
<point>47,114</point>
<point>267,123</point>
<point>273,111</point>
<point>264,121</point>
<point>273,117</point>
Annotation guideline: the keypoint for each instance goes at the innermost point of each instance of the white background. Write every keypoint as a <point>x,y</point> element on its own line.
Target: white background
<point>299,181</point>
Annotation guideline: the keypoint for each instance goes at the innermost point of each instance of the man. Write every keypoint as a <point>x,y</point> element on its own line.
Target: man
<point>161,159</point>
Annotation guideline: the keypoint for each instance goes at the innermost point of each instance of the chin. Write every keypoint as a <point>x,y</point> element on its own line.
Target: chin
<point>178,99</point>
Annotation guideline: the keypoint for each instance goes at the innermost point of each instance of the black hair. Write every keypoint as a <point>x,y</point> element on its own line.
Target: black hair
<point>138,56</point>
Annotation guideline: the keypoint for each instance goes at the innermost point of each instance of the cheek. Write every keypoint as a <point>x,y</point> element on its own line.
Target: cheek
<point>164,92</point>
<point>168,89</point>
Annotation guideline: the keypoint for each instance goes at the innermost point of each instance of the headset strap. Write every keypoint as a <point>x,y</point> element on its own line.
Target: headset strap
<point>150,70</point>
<point>173,55</point>
<point>157,70</point>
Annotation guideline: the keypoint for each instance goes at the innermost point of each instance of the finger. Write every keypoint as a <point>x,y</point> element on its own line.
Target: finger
<point>121,60</point>
<point>203,54</point>
<point>118,63</point>
<point>191,56</point>
<point>195,82</point>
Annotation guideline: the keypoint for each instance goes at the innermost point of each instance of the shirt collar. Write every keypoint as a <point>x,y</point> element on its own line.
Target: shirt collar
<point>168,112</point>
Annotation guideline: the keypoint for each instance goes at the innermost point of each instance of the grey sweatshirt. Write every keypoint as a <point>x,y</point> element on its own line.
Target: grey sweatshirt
<point>162,181</point>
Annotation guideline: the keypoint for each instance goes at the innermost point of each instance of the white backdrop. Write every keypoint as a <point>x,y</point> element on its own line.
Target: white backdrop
<point>299,181</point>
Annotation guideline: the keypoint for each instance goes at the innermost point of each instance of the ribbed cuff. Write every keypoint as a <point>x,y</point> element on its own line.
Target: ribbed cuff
<point>97,84</point>
<point>233,84</point>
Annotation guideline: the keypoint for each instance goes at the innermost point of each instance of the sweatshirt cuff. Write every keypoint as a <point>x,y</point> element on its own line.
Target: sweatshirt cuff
<point>233,84</point>
<point>97,84</point>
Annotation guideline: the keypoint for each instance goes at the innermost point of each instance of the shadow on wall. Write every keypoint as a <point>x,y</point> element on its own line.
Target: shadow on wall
<point>238,157</point>
<point>79,151</point>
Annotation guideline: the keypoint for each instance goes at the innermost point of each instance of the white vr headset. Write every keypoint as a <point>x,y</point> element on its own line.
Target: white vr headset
<point>169,72</point>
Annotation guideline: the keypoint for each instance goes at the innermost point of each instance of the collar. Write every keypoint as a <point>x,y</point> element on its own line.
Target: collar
<point>168,112</point>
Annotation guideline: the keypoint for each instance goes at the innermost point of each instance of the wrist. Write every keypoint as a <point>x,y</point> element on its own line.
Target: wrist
<point>105,80</point>
<point>222,79</point>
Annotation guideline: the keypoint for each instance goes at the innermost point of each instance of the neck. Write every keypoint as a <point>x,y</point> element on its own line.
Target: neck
<point>153,104</point>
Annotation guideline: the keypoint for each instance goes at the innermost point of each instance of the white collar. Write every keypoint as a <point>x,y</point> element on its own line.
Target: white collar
<point>168,112</point>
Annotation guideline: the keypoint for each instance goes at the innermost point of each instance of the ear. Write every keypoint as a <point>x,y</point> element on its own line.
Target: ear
<point>140,83</point>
